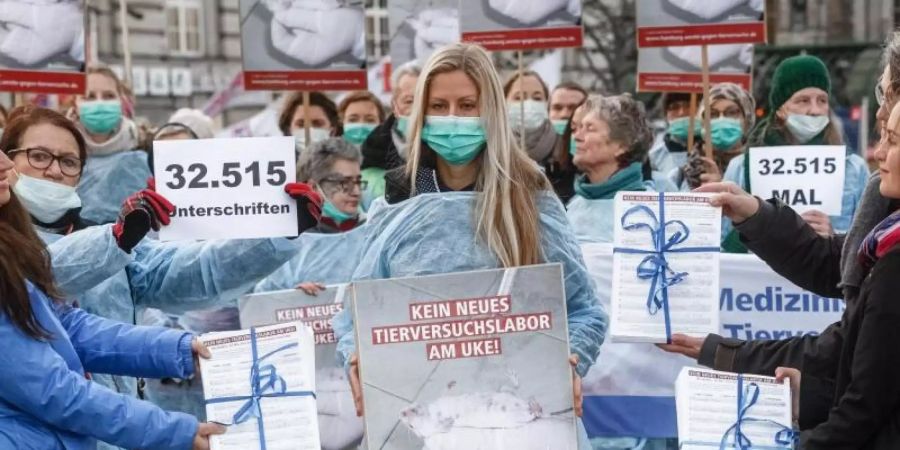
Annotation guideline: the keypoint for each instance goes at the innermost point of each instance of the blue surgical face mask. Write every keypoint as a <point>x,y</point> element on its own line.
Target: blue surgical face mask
<point>45,200</point>
<point>572,146</point>
<point>678,128</point>
<point>535,114</point>
<point>402,125</point>
<point>100,116</point>
<point>357,133</point>
<point>804,128</point>
<point>560,126</point>
<point>338,216</point>
<point>457,140</point>
<point>725,133</point>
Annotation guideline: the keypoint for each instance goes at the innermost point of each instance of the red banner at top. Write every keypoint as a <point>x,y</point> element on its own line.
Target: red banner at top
<point>707,34</point>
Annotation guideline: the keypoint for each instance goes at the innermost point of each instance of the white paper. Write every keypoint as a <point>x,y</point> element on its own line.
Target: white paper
<point>805,177</point>
<point>290,422</point>
<point>707,406</point>
<point>227,188</point>
<point>693,303</point>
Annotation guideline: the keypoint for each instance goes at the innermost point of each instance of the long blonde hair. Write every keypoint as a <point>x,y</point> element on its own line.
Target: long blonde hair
<point>506,213</point>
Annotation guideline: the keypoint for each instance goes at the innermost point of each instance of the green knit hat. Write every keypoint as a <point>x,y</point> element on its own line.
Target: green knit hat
<point>794,74</point>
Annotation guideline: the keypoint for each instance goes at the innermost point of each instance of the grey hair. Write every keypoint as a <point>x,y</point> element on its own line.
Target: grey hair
<point>412,68</point>
<point>316,163</point>
<point>891,58</point>
<point>627,122</point>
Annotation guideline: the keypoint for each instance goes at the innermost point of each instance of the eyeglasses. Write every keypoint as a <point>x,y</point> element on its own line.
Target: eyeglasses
<point>347,183</point>
<point>40,158</point>
<point>879,92</point>
<point>731,113</point>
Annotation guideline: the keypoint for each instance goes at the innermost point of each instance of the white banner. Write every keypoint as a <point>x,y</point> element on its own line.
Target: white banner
<point>805,177</point>
<point>755,303</point>
<point>227,188</point>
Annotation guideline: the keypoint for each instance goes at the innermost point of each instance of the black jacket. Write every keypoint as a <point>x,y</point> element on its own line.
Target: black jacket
<point>826,361</point>
<point>379,150</point>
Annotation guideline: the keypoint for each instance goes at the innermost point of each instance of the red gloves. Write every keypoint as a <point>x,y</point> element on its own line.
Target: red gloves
<point>309,204</point>
<point>143,211</point>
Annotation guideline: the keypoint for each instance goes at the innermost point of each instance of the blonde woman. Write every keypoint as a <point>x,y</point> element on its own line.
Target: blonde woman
<point>470,199</point>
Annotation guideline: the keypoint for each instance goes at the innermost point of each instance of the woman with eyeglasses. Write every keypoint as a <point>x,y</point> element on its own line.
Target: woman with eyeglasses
<point>134,273</point>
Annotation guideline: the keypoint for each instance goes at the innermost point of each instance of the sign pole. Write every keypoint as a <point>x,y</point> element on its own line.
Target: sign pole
<point>306,120</point>
<point>707,141</point>
<point>692,122</point>
<point>522,102</point>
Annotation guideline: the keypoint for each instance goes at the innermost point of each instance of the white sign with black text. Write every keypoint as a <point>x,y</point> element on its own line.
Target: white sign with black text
<point>227,188</point>
<point>805,177</point>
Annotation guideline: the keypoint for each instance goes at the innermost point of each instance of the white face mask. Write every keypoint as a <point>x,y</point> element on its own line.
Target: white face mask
<point>535,114</point>
<point>804,127</point>
<point>315,135</point>
<point>45,200</point>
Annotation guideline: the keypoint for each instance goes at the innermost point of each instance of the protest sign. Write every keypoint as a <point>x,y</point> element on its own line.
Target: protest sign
<point>522,24</point>
<point>680,69</point>
<point>805,177</point>
<point>303,46</point>
<point>673,23</point>
<point>417,28</point>
<point>630,391</point>
<point>339,427</point>
<point>261,384</point>
<point>42,46</point>
<point>227,188</point>
<point>665,266</point>
<point>466,360</point>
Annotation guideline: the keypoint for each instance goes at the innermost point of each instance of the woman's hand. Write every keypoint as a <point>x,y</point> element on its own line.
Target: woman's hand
<point>204,431</point>
<point>684,345</point>
<point>819,222</point>
<point>711,173</point>
<point>355,385</point>
<point>200,351</point>
<point>794,376</point>
<point>310,288</point>
<point>576,387</point>
<point>736,204</point>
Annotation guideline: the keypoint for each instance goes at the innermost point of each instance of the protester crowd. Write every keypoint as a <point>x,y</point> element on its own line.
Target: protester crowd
<point>461,171</point>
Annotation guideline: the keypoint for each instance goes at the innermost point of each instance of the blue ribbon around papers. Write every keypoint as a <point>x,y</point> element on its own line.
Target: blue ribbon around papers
<point>654,266</point>
<point>784,438</point>
<point>264,382</point>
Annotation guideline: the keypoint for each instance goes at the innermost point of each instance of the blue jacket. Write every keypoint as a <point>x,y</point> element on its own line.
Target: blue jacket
<point>46,403</point>
<point>107,180</point>
<point>434,233</point>
<point>173,276</point>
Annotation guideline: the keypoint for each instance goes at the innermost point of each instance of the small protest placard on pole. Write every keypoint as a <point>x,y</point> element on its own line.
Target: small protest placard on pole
<point>297,46</point>
<point>227,188</point>
<point>806,177</point>
<point>42,47</point>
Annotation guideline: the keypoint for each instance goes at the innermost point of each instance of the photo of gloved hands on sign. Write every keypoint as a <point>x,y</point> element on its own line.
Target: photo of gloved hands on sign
<point>302,34</point>
<point>509,14</point>
<point>730,58</point>
<point>701,11</point>
<point>418,28</point>
<point>42,34</point>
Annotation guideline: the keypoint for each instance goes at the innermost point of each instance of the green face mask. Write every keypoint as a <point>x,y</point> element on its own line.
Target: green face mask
<point>335,214</point>
<point>560,126</point>
<point>402,125</point>
<point>725,132</point>
<point>100,116</point>
<point>356,133</point>
<point>678,128</point>
<point>572,147</point>
<point>457,140</point>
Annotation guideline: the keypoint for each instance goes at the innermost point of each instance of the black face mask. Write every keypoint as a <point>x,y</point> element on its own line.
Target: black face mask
<point>167,128</point>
